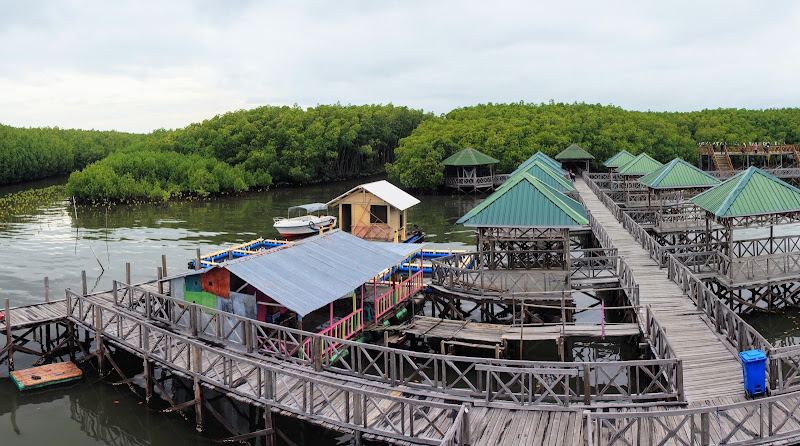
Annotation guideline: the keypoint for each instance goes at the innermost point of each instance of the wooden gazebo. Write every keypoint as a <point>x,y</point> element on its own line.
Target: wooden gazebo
<point>671,183</point>
<point>627,176</point>
<point>761,272</point>
<point>574,158</point>
<point>469,169</point>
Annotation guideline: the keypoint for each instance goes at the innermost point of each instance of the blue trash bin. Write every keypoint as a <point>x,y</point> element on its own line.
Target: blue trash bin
<point>754,366</point>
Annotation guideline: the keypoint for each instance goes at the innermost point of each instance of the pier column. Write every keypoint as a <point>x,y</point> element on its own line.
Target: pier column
<point>269,425</point>
<point>9,339</point>
<point>98,339</point>
<point>198,391</point>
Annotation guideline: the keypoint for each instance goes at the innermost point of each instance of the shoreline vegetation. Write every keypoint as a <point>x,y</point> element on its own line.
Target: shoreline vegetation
<point>250,150</point>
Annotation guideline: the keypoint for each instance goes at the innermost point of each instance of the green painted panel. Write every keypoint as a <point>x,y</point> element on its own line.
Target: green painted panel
<point>541,157</point>
<point>200,298</point>
<point>548,176</point>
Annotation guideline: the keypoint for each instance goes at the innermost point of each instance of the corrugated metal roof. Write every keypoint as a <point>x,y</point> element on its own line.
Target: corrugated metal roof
<point>539,156</point>
<point>384,190</point>
<point>678,174</point>
<point>548,176</point>
<point>620,159</point>
<point>574,152</point>
<point>311,273</point>
<point>641,165</point>
<point>525,202</point>
<point>469,157</point>
<point>752,192</point>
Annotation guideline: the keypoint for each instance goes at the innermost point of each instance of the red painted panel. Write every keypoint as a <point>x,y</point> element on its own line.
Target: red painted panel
<point>217,281</point>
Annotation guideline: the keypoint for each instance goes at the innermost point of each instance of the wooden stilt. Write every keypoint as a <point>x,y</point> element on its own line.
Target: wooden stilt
<point>198,392</point>
<point>83,283</point>
<point>98,340</point>
<point>9,339</point>
<point>128,273</point>
<point>159,276</point>
<point>164,264</point>
<point>269,425</point>
<point>148,381</point>
<point>47,289</point>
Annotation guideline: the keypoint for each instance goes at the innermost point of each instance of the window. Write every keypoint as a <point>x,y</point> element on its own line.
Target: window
<point>378,214</point>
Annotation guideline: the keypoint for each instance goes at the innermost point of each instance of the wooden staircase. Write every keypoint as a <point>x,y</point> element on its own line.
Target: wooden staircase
<point>722,161</point>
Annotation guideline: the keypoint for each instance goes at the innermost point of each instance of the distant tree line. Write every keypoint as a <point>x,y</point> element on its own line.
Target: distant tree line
<point>514,132</point>
<point>249,149</point>
<point>31,154</point>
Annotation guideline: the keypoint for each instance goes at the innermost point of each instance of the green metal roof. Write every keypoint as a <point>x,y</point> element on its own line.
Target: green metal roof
<point>620,159</point>
<point>469,157</point>
<point>539,156</point>
<point>678,174</point>
<point>525,202</point>
<point>752,192</point>
<point>548,176</point>
<point>574,152</point>
<point>641,165</point>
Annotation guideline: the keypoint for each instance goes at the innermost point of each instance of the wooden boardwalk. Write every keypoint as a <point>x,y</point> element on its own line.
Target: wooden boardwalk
<point>711,370</point>
<point>321,397</point>
<point>35,314</point>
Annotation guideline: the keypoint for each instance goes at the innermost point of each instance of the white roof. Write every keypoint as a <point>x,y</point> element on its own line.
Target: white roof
<point>384,190</point>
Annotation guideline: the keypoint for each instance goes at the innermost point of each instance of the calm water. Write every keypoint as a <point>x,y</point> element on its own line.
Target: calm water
<point>53,243</point>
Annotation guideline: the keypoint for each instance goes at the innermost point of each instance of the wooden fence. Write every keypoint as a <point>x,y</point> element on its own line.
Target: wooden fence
<point>458,377</point>
<point>282,386</point>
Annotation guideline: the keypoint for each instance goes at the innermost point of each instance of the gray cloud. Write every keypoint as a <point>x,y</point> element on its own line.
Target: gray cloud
<point>142,65</point>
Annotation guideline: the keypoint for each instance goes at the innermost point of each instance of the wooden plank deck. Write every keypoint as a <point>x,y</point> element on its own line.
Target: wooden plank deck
<point>489,425</point>
<point>35,314</point>
<point>711,370</point>
<point>495,334</point>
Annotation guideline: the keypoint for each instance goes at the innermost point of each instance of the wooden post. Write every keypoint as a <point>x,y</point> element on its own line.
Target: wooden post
<point>269,425</point>
<point>47,289</point>
<point>197,265</point>
<point>128,273</point>
<point>465,428</point>
<point>705,432</point>
<point>148,380</point>
<point>83,283</point>
<point>160,275</point>
<point>164,265</point>
<point>98,339</point>
<point>9,338</point>
<point>198,392</point>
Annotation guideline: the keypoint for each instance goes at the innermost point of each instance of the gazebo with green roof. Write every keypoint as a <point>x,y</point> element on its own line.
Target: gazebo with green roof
<point>525,224</point>
<point>574,157</point>
<point>670,183</point>
<point>752,198</point>
<point>635,193</point>
<point>545,174</point>
<point>469,169</point>
<point>546,160</point>
<point>620,159</point>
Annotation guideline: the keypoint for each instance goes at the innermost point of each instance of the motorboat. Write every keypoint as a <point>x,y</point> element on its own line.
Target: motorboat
<point>310,223</point>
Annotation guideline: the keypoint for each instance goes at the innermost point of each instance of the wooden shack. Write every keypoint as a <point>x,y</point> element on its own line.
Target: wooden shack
<point>374,211</point>
<point>469,170</point>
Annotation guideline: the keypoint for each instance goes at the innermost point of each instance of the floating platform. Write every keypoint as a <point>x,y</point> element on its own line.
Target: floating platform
<point>46,375</point>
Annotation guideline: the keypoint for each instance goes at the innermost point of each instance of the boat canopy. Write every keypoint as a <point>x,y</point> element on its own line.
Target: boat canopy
<point>311,207</point>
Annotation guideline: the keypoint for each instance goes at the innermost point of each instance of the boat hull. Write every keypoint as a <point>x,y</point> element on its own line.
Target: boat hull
<point>300,226</point>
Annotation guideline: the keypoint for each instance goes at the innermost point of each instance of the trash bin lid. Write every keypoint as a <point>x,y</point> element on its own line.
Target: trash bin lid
<point>752,356</point>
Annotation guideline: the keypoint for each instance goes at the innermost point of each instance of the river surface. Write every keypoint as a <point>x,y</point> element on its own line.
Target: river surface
<point>58,241</point>
<point>53,243</point>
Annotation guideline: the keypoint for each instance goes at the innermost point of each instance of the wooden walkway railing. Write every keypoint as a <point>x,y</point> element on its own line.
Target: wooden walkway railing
<point>456,376</point>
<point>281,386</point>
<point>783,367</point>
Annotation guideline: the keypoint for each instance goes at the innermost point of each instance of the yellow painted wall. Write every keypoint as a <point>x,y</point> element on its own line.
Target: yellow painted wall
<point>360,203</point>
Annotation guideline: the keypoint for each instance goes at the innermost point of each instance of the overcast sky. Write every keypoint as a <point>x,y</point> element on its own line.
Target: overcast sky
<point>141,65</point>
